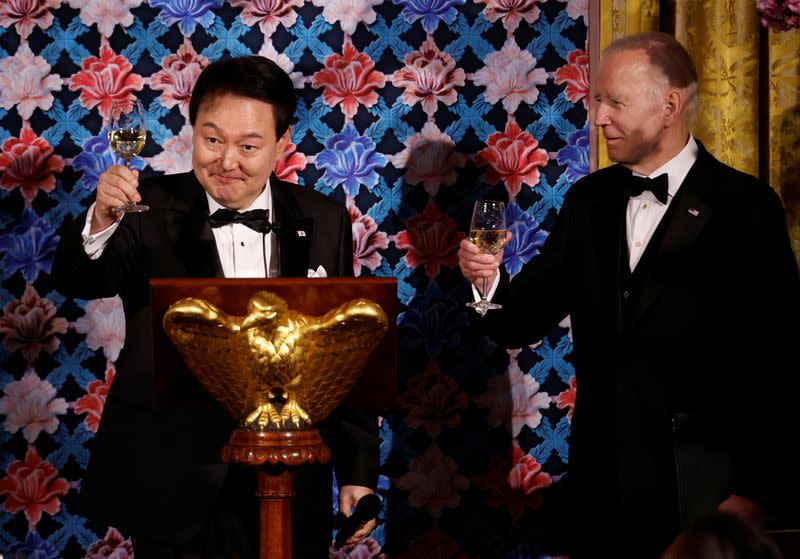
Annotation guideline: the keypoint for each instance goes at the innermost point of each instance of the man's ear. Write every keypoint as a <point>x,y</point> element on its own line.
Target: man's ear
<point>674,106</point>
<point>284,141</point>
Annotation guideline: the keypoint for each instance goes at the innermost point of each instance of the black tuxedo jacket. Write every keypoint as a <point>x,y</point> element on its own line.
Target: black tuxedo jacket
<point>697,343</point>
<point>156,473</point>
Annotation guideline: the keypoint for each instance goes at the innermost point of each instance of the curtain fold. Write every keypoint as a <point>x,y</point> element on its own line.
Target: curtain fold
<point>722,38</point>
<point>783,138</point>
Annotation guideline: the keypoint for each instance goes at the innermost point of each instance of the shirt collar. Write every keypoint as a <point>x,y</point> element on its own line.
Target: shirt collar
<point>263,202</point>
<point>678,167</point>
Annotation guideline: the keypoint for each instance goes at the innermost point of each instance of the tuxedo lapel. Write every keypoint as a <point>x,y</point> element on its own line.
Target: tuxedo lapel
<point>608,228</point>
<point>187,225</point>
<point>676,233</point>
<point>296,230</point>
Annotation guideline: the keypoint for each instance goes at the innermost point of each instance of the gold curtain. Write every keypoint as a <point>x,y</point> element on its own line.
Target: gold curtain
<point>749,114</point>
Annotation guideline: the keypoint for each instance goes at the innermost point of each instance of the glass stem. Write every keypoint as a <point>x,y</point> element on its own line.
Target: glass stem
<point>483,292</point>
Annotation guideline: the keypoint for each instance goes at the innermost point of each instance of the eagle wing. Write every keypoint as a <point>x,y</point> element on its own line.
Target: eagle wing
<point>335,348</point>
<point>217,353</point>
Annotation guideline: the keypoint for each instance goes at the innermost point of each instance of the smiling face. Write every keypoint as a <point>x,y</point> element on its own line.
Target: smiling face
<point>235,148</point>
<point>630,103</point>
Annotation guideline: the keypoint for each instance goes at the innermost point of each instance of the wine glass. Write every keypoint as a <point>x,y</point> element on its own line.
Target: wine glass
<point>488,232</point>
<point>127,134</point>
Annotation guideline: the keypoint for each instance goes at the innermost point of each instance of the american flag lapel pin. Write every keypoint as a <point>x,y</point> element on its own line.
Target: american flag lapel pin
<point>694,212</point>
<point>301,233</point>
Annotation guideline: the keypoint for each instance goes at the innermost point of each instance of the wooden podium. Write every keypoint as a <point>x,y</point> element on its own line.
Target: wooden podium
<point>275,453</point>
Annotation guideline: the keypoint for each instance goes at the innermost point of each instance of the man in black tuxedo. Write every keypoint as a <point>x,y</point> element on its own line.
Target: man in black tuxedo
<point>684,299</point>
<point>155,473</point>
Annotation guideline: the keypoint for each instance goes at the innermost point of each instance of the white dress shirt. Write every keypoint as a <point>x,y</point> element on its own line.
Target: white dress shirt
<point>644,212</point>
<point>241,250</point>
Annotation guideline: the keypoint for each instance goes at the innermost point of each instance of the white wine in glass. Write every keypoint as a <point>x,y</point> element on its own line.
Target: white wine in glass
<point>488,232</point>
<point>127,134</point>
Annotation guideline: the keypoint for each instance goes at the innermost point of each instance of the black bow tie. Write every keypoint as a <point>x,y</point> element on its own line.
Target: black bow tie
<point>659,186</point>
<point>257,220</point>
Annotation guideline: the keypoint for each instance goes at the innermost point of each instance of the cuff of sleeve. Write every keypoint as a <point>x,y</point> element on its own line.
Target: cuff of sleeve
<point>93,244</point>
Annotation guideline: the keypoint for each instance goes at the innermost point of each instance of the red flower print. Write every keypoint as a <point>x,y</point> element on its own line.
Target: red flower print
<point>433,482</point>
<point>349,79</point>
<point>29,163</point>
<point>512,156</point>
<point>511,12</point>
<point>435,544</point>
<point>432,239</point>
<point>268,13</point>
<point>112,546</point>
<point>429,76</point>
<point>289,163</point>
<point>430,158</point>
<point>366,239</point>
<point>566,399</point>
<point>433,400</point>
<point>501,494</point>
<point>30,324</point>
<point>94,401</point>
<point>33,486</point>
<point>526,473</point>
<point>105,80</point>
<point>576,75</point>
<point>177,77</point>
<point>25,14</point>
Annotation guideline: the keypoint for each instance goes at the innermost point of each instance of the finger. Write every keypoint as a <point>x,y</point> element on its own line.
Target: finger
<point>468,247</point>
<point>119,183</point>
<point>362,532</point>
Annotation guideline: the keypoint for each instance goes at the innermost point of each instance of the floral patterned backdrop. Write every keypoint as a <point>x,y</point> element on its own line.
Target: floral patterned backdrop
<point>410,111</point>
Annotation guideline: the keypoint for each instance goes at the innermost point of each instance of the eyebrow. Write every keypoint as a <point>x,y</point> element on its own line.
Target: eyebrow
<point>214,127</point>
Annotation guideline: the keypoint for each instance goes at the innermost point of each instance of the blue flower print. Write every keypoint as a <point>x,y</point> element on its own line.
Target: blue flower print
<point>34,547</point>
<point>526,241</point>
<point>575,155</point>
<point>350,159</point>
<point>431,12</point>
<point>432,321</point>
<point>96,157</point>
<point>30,246</point>
<point>187,13</point>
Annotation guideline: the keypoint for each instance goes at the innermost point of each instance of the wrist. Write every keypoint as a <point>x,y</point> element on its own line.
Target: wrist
<point>99,222</point>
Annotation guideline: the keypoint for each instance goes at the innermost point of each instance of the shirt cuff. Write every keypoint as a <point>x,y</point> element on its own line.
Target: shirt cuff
<point>94,244</point>
<point>492,290</point>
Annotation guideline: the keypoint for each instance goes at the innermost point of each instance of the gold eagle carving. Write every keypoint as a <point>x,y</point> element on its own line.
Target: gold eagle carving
<point>275,368</point>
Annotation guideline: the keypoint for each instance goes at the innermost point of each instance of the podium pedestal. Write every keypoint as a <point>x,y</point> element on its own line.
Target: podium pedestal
<point>274,453</point>
<point>281,450</point>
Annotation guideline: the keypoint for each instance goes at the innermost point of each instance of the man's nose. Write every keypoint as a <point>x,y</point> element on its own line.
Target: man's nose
<point>229,158</point>
<point>598,114</point>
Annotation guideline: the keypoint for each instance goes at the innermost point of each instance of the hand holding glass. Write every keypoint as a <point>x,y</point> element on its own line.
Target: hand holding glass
<point>488,233</point>
<point>127,134</point>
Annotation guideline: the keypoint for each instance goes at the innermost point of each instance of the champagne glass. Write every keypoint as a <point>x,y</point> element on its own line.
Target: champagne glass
<point>488,232</point>
<point>127,134</point>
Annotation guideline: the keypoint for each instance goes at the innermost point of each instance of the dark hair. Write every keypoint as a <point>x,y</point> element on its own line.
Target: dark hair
<point>255,77</point>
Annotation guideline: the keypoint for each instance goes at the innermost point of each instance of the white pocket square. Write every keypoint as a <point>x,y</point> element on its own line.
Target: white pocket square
<point>319,273</point>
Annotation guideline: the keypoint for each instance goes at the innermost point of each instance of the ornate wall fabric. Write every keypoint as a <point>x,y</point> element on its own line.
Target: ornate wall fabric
<point>409,112</point>
<point>723,39</point>
<point>784,125</point>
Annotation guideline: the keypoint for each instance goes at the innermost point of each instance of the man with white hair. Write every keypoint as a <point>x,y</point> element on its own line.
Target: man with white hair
<point>676,271</point>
